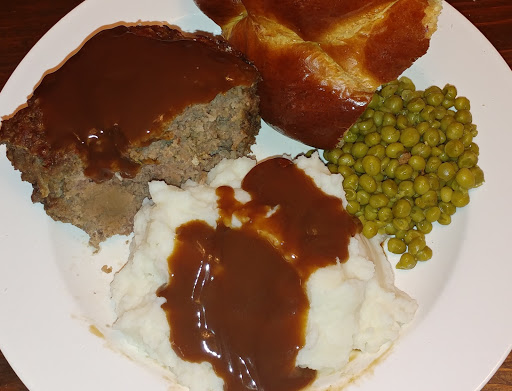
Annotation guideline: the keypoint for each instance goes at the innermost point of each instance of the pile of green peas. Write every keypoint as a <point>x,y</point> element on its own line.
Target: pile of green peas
<point>408,162</point>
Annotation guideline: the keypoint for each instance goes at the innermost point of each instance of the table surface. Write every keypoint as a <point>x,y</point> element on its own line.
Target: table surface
<point>23,22</point>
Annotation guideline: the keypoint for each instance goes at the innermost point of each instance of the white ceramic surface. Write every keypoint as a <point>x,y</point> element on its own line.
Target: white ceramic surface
<point>52,289</point>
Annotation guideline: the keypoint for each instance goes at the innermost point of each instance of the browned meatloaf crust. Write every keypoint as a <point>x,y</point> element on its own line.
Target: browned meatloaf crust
<point>187,147</point>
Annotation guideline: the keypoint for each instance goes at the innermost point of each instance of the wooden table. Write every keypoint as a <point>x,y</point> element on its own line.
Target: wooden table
<point>23,22</point>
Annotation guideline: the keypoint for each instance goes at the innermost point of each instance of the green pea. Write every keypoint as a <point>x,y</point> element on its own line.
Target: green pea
<point>385,214</point>
<point>370,213</point>
<point>333,155</point>
<point>370,229</point>
<point>407,261</point>
<point>368,113</point>
<point>474,148</point>
<point>402,122</point>
<point>437,151</point>
<point>431,90</point>
<point>416,105</point>
<point>366,126</point>
<point>349,137</point>
<point>463,116</point>
<point>446,121</point>
<point>400,224</point>
<point>421,185</point>
<point>394,150</point>
<point>345,171</point>
<point>465,178</point>
<point>417,244</point>
<point>424,226</point>
<point>422,150</point>
<point>454,148</point>
<point>466,139</point>
<point>422,127</point>
<point>390,169</point>
<point>417,214</point>
<point>376,101</point>
<point>388,90</point>
<point>450,91</point>
<point>460,199</point>
<point>431,137</point>
<point>388,120</point>
<point>407,95</point>
<point>372,139</point>
<point>384,162</point>
<point>390,229</point>
<point>378,200</point>
<point>444,219</point>
<point>346,160</point>
<point>433,181</point>
<point>406,83</point>
<point>347,147</point>
<point>435,98</point>
<point>409,137</point>
<point>430,198</point>
<point>462,103</point>
<point>433,164</point>
<point>406,188</point>
<point>402,208</point>
<point>435,124</point>
<point>378,150</point>
<point>351,182</point>
<point>396,246</point>
<point>354,128</point>
<point>333,168</point>
<point>418,163</point>
<point>367,183</point>
<point>358,166</point>
<point>389,188</point>
<point>359,149</point>
<point>371,165</point>
<point>350,194</point>
<point>446,171</point>
<point>467,159</point>
<point>363,197</point>
<point>427,114</point>
<point>413,234</point>
<point>403,172</point>
<point>310,152</point>
<point>425,254</point>
<point>413,118</point>
<point>446,194</point>
<point>448,103</point>
<point>454,131</point>
<point>378,117</point>
<point>394,103</point>
<point>353,207</point>
<point>400,233</point>
<point>447,208</point>
<point>439,113</point>
<point>479,175</point>
<point>433,213</point>
<point>389,134</point>
<point>443,156</point>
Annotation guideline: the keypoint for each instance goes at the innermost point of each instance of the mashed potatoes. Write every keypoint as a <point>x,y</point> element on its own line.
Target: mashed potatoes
<point>355,312</point>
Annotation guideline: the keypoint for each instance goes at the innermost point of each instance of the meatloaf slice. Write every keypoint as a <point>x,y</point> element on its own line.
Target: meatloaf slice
<point>90,150</point>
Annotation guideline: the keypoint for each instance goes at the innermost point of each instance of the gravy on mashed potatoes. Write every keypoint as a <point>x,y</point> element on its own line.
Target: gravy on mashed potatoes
<point>257,280</point>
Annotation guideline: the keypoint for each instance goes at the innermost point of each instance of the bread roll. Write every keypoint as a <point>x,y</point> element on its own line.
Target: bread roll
<point>322,60</point>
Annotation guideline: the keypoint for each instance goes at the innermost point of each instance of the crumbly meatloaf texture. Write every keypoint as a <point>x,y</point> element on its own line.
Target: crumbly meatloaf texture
<point>194,142</point>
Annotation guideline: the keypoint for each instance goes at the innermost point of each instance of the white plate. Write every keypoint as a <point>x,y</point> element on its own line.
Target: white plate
<point>52,289</point>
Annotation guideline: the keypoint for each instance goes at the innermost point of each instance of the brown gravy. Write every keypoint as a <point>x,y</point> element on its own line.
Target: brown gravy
<point>122,86</point>
<point>236,296</point>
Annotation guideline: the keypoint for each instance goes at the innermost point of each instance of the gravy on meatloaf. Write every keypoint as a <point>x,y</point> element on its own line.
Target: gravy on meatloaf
<point>107,96</point>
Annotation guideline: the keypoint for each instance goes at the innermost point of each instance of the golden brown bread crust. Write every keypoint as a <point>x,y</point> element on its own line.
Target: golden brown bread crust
<point>322,60</point>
